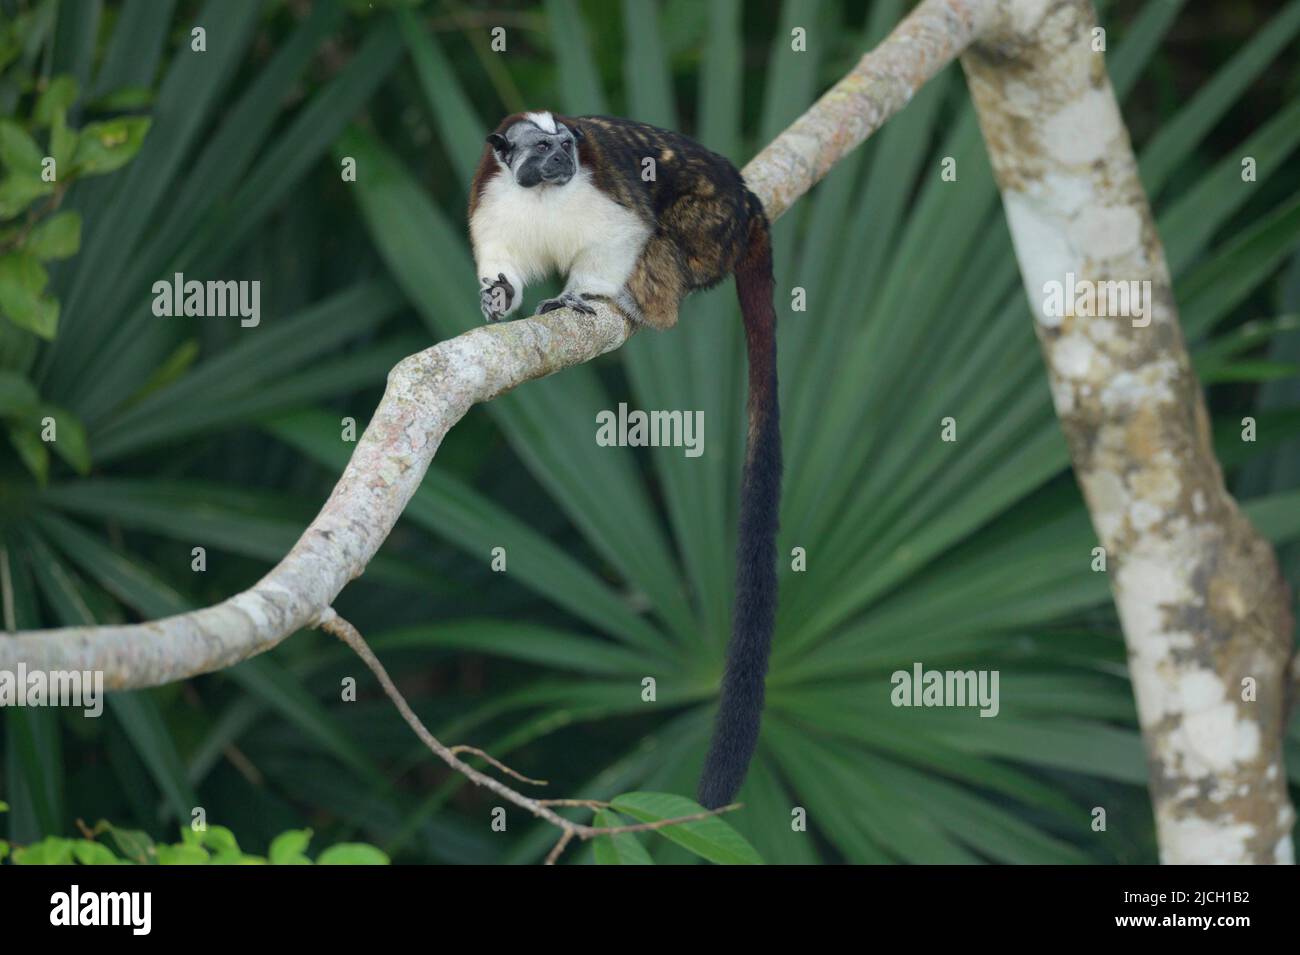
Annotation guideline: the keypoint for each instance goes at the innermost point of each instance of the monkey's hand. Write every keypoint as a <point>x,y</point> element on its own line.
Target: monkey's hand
<point>566,300</point>
<point>496,297</point>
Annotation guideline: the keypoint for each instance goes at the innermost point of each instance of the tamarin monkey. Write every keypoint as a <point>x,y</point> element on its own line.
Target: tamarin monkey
<point>640,217</point>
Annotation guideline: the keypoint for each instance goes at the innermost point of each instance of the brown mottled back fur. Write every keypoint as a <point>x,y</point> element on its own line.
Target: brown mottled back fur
<point>697,198</point>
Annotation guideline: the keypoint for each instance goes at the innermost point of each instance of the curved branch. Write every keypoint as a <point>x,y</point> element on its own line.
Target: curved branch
<point>430,391</point>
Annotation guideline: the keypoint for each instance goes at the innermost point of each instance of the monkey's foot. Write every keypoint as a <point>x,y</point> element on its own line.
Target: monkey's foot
<point>566,300</point>
<point>495,297</point>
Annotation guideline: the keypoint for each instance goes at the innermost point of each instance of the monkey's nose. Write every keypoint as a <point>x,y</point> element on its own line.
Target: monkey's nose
<point>557,166</point>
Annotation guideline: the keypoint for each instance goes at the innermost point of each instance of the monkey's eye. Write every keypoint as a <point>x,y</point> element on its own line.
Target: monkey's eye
<point>543,147</point>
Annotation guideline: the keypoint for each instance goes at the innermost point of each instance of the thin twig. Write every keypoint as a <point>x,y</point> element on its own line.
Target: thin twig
<point>664,823</point>
<point>462,748</point>
<point>331,622</point>
<point>554,854</point>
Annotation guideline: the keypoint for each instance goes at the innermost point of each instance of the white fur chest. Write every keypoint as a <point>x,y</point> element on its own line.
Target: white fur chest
<point>547,229</point>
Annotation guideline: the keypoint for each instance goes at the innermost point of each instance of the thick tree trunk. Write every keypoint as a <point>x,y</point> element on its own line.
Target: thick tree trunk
<point>1204,609</point>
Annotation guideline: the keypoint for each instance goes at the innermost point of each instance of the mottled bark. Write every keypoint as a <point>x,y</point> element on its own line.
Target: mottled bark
<point>427,393</point>
<point>1203,606</point>
<point>882,83</point>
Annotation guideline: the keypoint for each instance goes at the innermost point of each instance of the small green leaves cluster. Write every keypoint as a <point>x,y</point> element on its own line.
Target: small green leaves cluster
<point>41,156</point>
<point>107,844</point>
<point>712,839</point>
<point>39,159</point>
<point>28,421</point>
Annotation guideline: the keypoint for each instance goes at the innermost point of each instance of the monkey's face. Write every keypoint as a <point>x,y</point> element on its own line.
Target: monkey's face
<point>538,154</point>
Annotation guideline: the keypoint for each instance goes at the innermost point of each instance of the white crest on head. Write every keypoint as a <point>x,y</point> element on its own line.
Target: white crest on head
<point>544,120</point>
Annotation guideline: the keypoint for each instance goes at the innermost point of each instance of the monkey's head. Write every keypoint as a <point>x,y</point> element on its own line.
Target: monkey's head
<point>537,150</point>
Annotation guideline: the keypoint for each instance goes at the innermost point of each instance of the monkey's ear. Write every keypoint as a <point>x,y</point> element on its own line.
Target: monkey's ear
<point>578,134</point>
<point>499,143</point>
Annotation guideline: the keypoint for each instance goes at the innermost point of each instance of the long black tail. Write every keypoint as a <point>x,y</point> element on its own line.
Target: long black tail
<point>735,734</point>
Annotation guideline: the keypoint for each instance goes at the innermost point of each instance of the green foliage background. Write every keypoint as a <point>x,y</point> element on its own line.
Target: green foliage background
<point>200,433</point>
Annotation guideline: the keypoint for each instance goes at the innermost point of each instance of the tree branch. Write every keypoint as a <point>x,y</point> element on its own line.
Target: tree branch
<point>430,391</point>
<point>541,808</point>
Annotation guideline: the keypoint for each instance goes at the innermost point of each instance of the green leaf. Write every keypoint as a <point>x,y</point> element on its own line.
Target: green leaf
<point>32,737</point>
<point>622,849</point>
<point>22,282</point>
<point>523,641</point>
<point>10,47</point>
<point>142,720</point>
<point>1211,354</point>
<point>137,713</point>
<point>4,806</point>
<point>69,440</point>
<point>460,129</point>
<point>191,90</point>
<point>288,847</point>
<point>126,98</point>
<point>171,370</point>
<point>58,97</point>
<point>18,190</point>
<point>221,842</point>
<point>1277,515</point>
<point>18,151</point>
<point>93,853</point>
<point>1259,370</point>
<point>116,573</point>
<point>58,237</point>
<point>17,394</point>
<point>251,368</point>
<point>184,854</point>
<point>33,452</point>
<point>132,844</point>
<point>192,162</point>
<point>52,850</point>
<point>302,142</point>
<point>1141,39</point>
<point>104,147</point>
<point>139,41</point>
<point>265,678</point>
<point>1238,266</point>
<point>709,838</point>
<point>4,850</point>
<point>579,78</point>
<point>63,146</point>
<point>352,853</point>
<point>1176,139</point>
